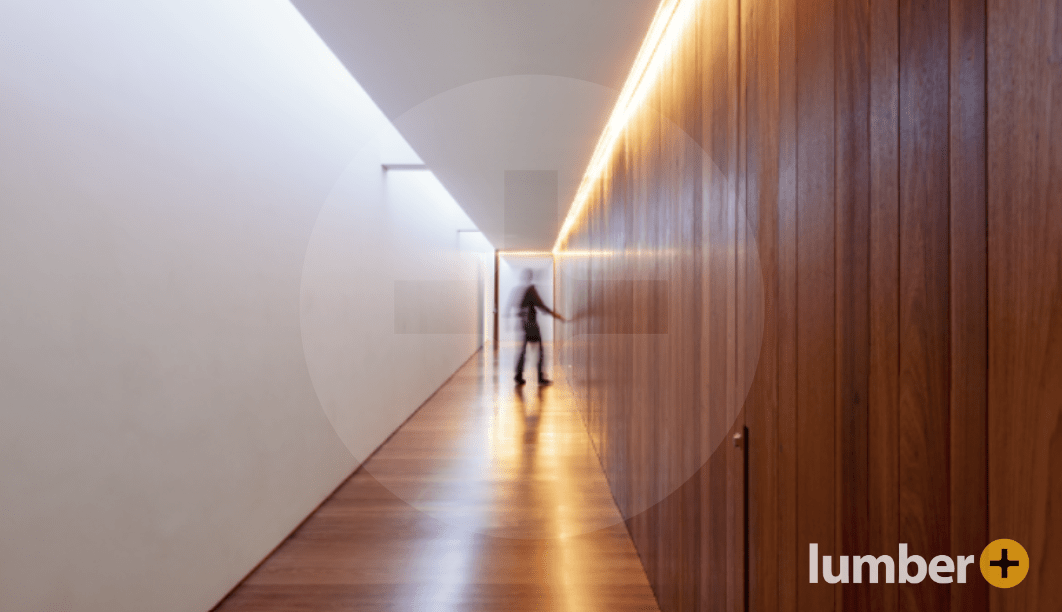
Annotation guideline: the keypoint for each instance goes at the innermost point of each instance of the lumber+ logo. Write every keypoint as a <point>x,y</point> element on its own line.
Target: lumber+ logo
<point>1003,563</point>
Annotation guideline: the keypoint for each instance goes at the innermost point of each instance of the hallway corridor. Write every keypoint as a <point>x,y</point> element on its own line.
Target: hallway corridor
<point>488,498</point>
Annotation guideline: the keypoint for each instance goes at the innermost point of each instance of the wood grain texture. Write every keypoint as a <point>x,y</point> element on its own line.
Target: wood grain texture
<point>852,179</point>
<point>815,305</point>
<point>883,376</point>
<point>760,34</point>
<point>718,286</point>
<point>969,297</point>
<point>910,265</point>
<point>924,299</point>
<point>1024,102</point>
<point>738,305</point>
<point>788,508</point>
<point>661,421</point>
<point>489,498</point>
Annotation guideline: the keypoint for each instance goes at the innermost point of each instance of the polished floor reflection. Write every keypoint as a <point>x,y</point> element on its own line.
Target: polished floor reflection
<point>489,498</point>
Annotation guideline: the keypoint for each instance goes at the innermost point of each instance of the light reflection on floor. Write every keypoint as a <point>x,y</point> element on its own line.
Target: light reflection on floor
<point>490,498</point>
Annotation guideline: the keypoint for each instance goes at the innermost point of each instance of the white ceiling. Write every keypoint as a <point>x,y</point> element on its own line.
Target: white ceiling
<point>502,99</point>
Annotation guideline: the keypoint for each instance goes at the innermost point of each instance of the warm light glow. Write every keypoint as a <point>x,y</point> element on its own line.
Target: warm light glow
<point>668,26</point>
<point>526,253</point>
<point>655,253</point>
<point>577,253</point>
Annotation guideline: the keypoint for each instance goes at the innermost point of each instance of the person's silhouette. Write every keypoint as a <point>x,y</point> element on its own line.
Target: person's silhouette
<point>529,304</point>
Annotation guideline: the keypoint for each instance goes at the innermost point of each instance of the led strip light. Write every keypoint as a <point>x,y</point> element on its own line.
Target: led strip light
<point>669,23</point>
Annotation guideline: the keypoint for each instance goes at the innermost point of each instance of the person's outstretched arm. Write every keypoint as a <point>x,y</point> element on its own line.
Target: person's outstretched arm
<point>537,300</point>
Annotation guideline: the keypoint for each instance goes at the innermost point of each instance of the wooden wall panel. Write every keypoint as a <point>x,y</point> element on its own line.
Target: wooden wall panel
<point>718,124</point>
<point>968,285</point>
<point>1024,102</point>
<point>852,178</point>
<point>737,303</point>
<point>883,375</point>
<point>789,552</point>
<point>854,209</point>
<point>924,318</point>
<point>815,304</point>
<point>760,50</point>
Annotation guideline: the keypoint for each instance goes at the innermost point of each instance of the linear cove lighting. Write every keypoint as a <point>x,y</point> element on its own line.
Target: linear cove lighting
<point>505,253</point>
<point>668,25</point>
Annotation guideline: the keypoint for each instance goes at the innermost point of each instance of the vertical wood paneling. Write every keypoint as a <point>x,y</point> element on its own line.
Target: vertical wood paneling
<point>714,593</point>
<point>760,44</point>
<point>909,303</point>
<point>883,375</point>
<point>852,293</point>
<point>924,306</point>
<point>816,473</point>
<point>1025,293</point>
<point>692,248</point>
<point>968,268</point>
<point>716,124</point>
<point>737,305</point>
<point>788,508</point>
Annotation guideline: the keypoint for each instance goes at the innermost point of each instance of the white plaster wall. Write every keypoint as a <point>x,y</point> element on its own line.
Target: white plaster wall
<point>163,166</point>
<point>390,296</point>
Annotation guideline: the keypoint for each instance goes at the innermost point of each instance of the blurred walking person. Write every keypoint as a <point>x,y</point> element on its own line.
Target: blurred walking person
<point>529,304</point>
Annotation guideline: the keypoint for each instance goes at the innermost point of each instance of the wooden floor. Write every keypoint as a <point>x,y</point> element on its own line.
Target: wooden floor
<point>489,498</point>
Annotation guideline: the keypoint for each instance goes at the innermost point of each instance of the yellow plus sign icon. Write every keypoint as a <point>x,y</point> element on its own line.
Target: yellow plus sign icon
<point>1004,563</point>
